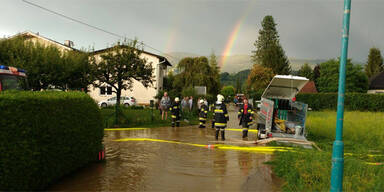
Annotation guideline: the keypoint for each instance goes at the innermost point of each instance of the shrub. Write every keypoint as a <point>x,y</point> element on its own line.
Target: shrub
<point>328,101</point>
<point>46,135</point>
<point>353,101</point>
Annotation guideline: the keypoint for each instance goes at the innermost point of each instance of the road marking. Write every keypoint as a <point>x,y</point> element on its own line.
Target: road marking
<point>124,129</point>
<point>257,149</point>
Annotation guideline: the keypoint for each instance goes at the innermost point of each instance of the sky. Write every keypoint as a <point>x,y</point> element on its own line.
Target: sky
<point>308,29</point>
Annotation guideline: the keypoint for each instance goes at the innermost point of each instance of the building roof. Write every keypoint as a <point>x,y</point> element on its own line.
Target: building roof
<point>161,58</point>
<point>377,82</point>
<point>29,34</point>
<point>310,87</point>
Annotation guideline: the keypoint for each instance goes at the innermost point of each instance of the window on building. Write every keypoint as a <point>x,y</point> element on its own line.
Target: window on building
<point>105,90</point>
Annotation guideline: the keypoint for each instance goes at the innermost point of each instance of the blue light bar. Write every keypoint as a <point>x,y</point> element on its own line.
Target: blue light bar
<point>4,67</point>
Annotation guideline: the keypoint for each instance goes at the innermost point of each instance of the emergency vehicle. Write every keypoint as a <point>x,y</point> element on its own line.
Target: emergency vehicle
<point>12,78</point>
<point>280,115</point>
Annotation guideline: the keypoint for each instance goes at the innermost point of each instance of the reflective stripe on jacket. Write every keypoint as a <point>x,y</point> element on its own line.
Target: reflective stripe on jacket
<point>220,115</point>
<point>245,117</point>
<point>175,110</point>
<point>203,111</point>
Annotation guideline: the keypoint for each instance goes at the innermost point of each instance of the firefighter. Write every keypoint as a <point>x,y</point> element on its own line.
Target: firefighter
<point>175,110</point>
<point>245,116</point>
<point>221,117</point>
<point>203,113</point>
<point>213,112</point>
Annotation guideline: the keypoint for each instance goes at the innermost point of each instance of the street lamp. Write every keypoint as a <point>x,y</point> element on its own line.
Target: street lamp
<point>338,145</point>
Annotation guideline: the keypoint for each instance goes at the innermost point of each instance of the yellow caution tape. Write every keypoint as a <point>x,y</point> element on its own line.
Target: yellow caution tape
<point>124,129</point>
<point>370,163</point>
<point>249,130</point>
<point>258,149</point>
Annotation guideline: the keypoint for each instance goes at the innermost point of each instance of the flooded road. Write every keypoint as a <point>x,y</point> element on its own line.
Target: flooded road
<point>175,159</point>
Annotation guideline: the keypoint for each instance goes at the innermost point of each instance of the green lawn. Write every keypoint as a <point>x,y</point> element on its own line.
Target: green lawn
<point>309,170</point>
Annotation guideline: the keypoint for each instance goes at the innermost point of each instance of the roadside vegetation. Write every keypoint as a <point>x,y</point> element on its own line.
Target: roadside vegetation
<point>45,136</point>
<point>141,117</point>
<point>310,170</point>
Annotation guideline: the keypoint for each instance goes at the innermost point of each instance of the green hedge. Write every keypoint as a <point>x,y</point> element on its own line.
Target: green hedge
<point>328,101</point>
<point>46,135</point>
<point>353,101</point>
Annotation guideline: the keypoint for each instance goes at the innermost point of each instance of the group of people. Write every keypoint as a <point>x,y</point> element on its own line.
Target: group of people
<point>220,114</point>
<point>165,105</point>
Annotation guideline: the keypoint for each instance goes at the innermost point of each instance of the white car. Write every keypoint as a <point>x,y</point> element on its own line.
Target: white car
<point>126,101</point>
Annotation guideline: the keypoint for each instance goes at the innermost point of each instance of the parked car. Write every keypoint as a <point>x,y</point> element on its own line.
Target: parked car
<point>126,101</point>
<point>240,98</point>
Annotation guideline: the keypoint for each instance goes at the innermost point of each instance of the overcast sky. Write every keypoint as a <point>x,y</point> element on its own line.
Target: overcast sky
<point>309,29</point>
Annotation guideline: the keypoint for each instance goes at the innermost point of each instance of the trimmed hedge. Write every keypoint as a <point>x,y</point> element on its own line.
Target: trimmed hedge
<point>328,101</point>
<point>353,101</point>
<point>46,135</point>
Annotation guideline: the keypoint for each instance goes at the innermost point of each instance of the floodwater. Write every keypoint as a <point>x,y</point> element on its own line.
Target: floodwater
<point>174,161</point>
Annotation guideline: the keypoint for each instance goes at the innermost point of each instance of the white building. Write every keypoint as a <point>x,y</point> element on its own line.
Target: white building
<point>142,94</point>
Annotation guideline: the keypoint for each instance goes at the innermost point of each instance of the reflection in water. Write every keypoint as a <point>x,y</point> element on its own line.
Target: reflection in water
<point>161,166</point>
<point>245,162</point>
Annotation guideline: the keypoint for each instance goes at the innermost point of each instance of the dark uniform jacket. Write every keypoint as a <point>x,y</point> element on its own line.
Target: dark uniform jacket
<point>175,110</point>
<point>203,112</point>
<point>221,115</point>
<point>245,117</point>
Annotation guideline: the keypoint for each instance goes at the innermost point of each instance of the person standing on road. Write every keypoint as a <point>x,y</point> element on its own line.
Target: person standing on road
<point>184,103</point>
<point>165,103</point>
<point>245,116</point>
<point>203,111</point>
<point>175,110</point>
<point>221,117</point>
<point>190,103</point>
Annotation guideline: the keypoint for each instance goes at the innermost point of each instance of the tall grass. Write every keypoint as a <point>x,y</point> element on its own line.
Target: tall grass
<point>309,170</point>
<point>362,130</point>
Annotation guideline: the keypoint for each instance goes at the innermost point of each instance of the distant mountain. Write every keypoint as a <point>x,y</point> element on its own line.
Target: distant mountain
<point>237,63</point>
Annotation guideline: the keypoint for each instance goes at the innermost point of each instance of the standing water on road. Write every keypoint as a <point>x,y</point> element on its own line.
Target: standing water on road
<point>176,159</point>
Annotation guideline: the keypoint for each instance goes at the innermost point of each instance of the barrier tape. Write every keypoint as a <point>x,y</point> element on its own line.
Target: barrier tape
<point>258,149</point>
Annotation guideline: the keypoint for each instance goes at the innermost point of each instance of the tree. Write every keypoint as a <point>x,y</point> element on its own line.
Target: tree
<point>316,74</point>
<point>120,66</point>
<point>215,72</point>
<point>306,71</point>
<point>46,66</point>
<point>238,85</point>
<point>228,92</point>
<point>356,79</point>
<point>259,78</point>
<point>375,62</point>
<point>196,72</point>
<point>269,53</point>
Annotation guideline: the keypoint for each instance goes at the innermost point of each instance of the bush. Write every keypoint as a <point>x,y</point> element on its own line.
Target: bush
<point>328,101</point>
<point>353,101</point>
<point>46,135</point>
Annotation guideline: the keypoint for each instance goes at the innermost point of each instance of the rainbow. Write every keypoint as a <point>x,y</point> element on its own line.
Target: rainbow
<point>230,42</point>
<point>171,40</point>
<point>233,36</point>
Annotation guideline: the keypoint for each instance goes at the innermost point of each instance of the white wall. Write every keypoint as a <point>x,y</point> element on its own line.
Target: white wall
<point>143,95</point>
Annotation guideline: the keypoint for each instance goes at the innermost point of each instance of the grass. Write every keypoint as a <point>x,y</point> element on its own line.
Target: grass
<point>309,170</point>
<point>141,117</point>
